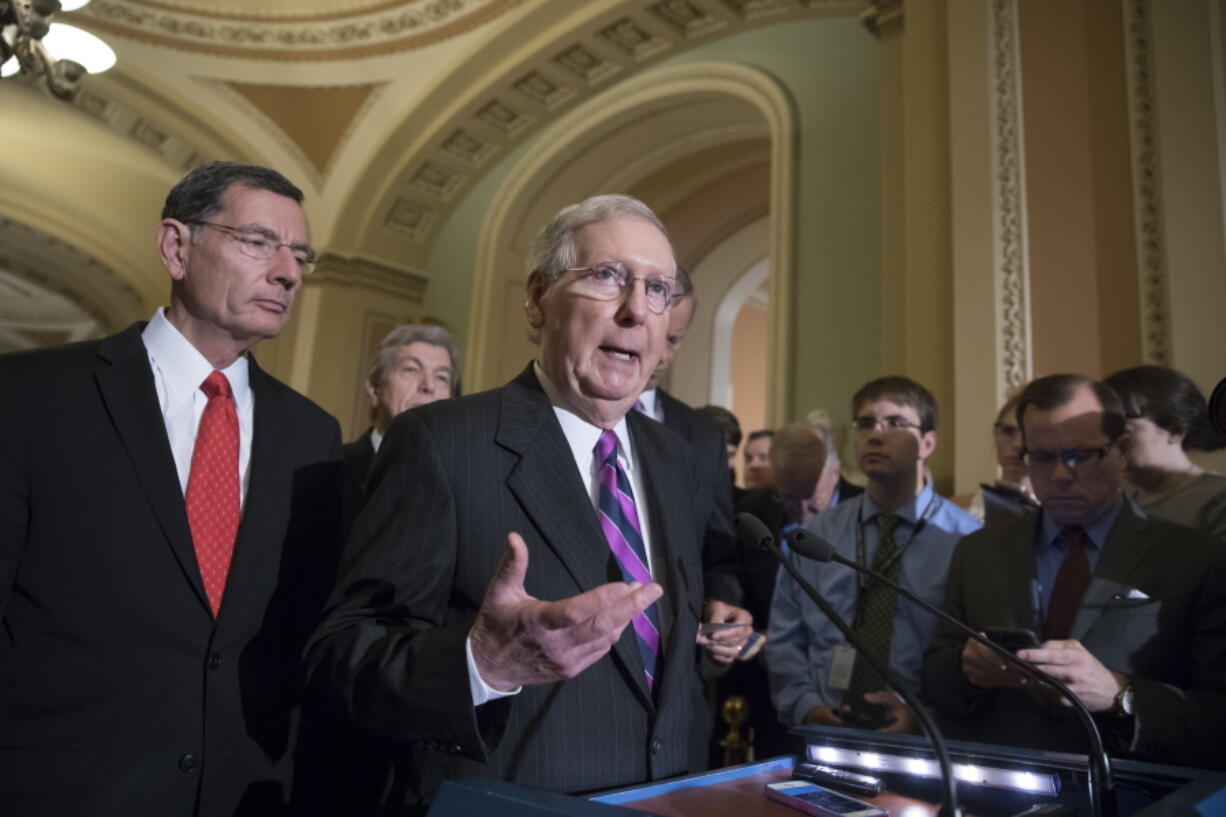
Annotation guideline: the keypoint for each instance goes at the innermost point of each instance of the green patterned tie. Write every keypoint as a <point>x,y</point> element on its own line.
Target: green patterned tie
<point>875,621</point>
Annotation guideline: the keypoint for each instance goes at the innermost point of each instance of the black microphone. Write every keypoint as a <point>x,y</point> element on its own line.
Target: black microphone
<point>811,546</point>
<point>753,532</point>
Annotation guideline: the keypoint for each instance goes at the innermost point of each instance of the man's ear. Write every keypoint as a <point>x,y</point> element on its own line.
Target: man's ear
<point>374,395</point>
<point>174,241</point>
<point>928,444</point>
<point>534,291</point>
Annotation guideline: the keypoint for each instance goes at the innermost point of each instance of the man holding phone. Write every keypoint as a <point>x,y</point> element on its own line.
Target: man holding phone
<point>900,527</point>
<point>1131,610</point>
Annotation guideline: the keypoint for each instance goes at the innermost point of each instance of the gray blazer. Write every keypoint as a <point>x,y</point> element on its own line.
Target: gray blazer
<point>1155,610</point>
<point>450,480</point>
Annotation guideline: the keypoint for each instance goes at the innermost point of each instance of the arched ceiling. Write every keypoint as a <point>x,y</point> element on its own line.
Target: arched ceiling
<point>386,112</point>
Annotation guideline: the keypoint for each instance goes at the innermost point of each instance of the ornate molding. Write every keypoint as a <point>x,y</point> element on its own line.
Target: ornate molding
<point>1009,201</point>
<point>367,275</point>
<point>508,104</point>
<point>883,18</point>
<point>404,26</point>
<point>58,267</point>
<point>1146,184</point>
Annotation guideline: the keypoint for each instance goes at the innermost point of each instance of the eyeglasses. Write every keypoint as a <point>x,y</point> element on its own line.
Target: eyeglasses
<point>1073,458</point>
<point>894,422</point>
<point>262,244</point>
<point>608,282</point>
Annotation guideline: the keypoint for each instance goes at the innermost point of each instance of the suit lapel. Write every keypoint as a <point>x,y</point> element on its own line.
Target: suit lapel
<point>550,490</point>
<point>1122,550</point>
<point>128,391</point>
<point>663,478</point>
<point>251,546</point>
<point>1018,558</point>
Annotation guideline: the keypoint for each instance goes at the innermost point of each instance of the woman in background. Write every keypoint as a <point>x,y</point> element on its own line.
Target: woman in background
<point>1010,495</point>
<point>1167,418</point>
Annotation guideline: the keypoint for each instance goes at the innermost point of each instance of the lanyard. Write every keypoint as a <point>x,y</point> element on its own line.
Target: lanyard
<point>861,550</point>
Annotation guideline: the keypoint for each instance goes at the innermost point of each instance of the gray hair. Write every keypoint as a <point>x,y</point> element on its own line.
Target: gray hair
<point>552,252</point>
<point>408,333</point>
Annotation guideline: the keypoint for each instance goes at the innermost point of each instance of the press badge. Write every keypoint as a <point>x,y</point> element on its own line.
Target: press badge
<point>841,666</point>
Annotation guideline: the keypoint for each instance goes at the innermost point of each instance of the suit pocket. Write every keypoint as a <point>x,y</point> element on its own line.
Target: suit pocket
<point>46,769</point>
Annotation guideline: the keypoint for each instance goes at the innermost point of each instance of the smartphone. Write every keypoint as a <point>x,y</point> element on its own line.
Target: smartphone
<point>1013,638</point>
<point>867,716</point>
<point>820,801</point>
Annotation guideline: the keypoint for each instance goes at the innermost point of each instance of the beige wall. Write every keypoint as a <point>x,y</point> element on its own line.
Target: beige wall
<point>749,338</point>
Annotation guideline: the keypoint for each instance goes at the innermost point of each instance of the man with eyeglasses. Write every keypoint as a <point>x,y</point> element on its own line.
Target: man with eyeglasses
<point>520,597</point>
<point>1130,611</point>
<point>899,527</point>
<point>170,517</point>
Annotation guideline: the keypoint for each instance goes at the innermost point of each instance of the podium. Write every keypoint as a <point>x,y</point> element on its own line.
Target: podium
<point>994,781</point>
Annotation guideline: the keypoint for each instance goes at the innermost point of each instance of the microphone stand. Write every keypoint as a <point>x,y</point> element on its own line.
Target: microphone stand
<point>1101,780</point>
<point>753,532</point>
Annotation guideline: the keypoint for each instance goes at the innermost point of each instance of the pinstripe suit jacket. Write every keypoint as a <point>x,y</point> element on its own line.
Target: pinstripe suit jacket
<point>450,480</point>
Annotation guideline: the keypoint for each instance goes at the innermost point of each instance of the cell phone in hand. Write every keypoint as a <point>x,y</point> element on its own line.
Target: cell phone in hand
<point>866,716</point>
<point>1013,638</point>
<point>820,801</point>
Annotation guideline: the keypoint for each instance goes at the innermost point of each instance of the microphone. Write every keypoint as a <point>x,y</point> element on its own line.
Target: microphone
<point>811,546</point>
<point>752,531</point>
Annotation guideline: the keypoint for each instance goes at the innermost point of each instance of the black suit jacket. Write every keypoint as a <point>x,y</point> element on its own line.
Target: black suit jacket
<point>713,504</point>
<point>119,692</point>
<point>450,481</point>
<point>356,458</point>
<point>1155,610</point>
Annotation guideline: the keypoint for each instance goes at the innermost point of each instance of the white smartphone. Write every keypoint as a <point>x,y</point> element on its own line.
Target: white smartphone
<point>820,801</point>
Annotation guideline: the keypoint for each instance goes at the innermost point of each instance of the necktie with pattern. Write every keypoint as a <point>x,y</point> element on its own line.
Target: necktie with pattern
<point>1071,583</point>
<point>619,520</point>
<point>212,487</point>
<point>875,621</point>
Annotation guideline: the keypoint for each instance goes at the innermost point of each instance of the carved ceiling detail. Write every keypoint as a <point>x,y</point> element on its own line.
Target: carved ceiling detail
<point>525,99</point>
<point>404,26</point>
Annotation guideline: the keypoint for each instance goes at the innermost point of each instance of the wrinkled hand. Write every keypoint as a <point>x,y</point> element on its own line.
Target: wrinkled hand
<point>518,640</point>
<point>724,645</point>
<point>1081,672</point>
<point>985,669</point>
<point>904,721</point>
<point>823,716</point>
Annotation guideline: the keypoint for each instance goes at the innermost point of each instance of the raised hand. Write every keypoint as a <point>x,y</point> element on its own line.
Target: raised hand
<point>518,640</point>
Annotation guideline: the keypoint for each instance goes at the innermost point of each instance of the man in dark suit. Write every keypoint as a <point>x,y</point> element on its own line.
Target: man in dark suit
<point>481,614</point>
<point>415,364</point>
<point>1131,610</point>
<point>149,646</point>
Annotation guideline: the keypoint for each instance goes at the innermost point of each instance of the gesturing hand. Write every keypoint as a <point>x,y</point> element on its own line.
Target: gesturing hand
<point>985,669</point>
<point>518,640</point>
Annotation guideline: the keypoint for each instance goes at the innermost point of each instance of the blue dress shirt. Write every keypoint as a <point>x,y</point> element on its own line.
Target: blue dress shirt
<point>1049,548</point>
<point>801,641</point>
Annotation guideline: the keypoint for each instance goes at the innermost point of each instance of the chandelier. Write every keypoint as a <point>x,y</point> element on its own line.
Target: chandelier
<point>59,54</point>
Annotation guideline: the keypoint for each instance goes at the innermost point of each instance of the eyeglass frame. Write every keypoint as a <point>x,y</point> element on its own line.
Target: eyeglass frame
<point>894,422</point>
<point>628,285</point>
<point>244,246</point>
<point>1071,458</point>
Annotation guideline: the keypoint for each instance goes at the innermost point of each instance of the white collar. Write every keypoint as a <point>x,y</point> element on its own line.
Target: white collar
<point>581,434</point>
<point>182,366</point>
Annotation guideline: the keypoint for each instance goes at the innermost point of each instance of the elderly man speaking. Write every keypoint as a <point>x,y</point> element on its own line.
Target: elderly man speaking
<point>521,596</point>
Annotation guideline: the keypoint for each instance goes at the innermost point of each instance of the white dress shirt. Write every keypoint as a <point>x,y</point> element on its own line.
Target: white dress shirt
<point>649,404</point>
<point>178,372</point>
<point>582,437</point>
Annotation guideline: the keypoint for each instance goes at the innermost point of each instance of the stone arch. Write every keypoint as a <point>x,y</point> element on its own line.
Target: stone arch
<point>576,157</point>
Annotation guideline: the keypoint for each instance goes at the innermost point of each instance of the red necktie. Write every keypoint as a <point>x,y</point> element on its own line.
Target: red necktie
<point>212,487</point>
<point>1070,586</point>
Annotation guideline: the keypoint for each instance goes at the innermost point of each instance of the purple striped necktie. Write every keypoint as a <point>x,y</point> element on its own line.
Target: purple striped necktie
<point>619,520</point>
